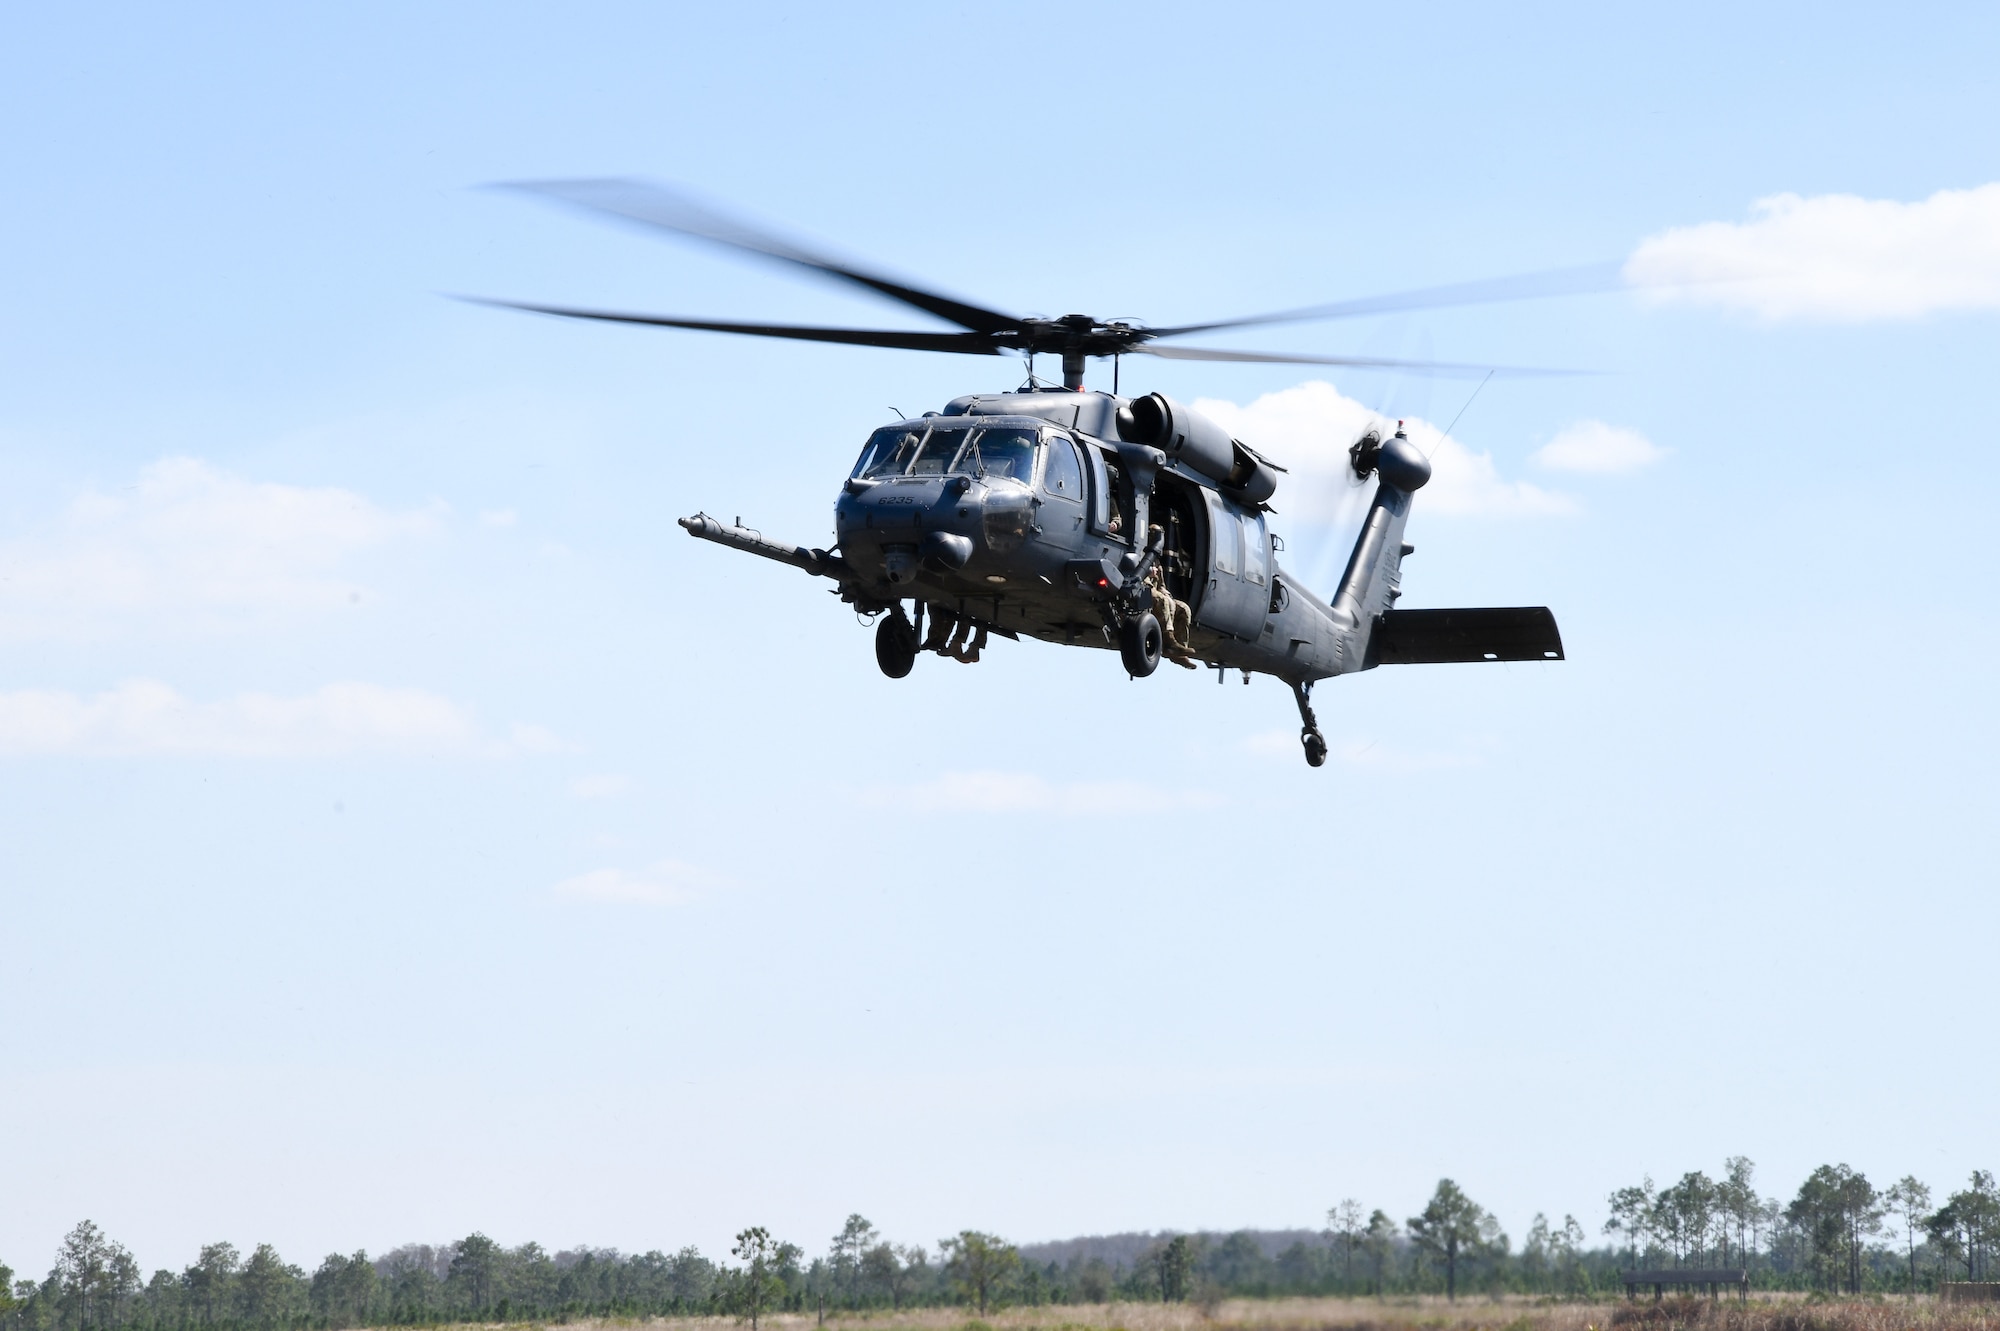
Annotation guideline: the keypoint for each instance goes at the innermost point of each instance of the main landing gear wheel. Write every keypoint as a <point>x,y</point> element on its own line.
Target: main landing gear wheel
<point>895,644</point>
<point>1140,643</point>
<point>1309,732</point>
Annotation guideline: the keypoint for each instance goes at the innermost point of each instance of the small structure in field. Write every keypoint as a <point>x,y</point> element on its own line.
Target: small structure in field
<point>1969,1291</point>
<point>1713,1277</point>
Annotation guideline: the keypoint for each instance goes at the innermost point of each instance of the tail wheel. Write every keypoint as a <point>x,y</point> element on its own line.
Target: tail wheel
<point>1140,643</point>
<point>895,644</point>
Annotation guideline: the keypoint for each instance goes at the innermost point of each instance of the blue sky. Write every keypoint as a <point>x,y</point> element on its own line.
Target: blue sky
<point>409,830</point>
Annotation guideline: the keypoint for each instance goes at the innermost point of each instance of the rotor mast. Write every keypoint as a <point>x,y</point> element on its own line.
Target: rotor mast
<point>1075,329</point>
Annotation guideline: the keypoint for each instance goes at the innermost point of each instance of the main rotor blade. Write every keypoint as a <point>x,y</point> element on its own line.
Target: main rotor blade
<point>972,344</point>
<point>1588,279</point>
<point>669,210</point>
<point>1357,362</point>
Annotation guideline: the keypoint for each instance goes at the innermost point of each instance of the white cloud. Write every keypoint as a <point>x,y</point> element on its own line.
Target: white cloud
<point>1465,483</point>
<point>195,544</point>
<point>145,717</point>
<point>1309,429</point>
<point>523,738</point>
<point>1593,446</point>
<point>600,786</point>
<point>667,883</point>
<point>1024,792</point>
<point>1835,257</point>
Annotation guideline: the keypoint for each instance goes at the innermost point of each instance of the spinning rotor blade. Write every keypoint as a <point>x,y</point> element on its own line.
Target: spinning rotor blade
<point>668,210</point>
<point>1358,362</point>
<point>1588,279</point>
<point>972,344</point>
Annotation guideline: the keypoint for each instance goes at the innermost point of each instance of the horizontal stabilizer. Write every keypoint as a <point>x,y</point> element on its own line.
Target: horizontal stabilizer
<point>1502,633</point>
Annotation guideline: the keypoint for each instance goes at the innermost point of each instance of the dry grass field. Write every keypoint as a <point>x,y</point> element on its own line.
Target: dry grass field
<point>1793,1313</point>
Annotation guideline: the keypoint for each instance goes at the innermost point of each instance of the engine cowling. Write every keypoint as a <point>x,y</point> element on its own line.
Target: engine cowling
<point>1195,441</point>
<point>1253,481</point>
<point>1186,436</point>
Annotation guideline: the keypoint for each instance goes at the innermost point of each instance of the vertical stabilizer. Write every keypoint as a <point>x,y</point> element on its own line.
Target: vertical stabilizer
<point>1374,571</point>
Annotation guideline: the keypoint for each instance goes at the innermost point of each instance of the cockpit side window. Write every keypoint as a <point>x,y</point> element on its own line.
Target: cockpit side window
<point>1060,475</point>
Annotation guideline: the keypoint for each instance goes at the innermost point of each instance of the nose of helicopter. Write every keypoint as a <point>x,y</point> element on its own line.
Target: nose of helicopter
<point>941,523</point>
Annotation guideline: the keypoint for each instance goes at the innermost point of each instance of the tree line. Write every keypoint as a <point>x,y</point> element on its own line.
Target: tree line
<point>97,1285</point>
<point>1838,1233</point>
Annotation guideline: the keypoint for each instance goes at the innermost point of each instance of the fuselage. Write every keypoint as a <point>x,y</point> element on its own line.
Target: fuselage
<point>1016,511</point>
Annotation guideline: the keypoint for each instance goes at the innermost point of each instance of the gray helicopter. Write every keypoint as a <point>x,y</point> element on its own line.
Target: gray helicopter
<point>1090,519</point>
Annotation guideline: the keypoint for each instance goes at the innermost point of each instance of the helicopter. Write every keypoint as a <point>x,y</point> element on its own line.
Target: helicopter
<point>1090,519</point>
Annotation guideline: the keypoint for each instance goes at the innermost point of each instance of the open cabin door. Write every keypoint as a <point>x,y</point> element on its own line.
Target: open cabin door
<point>1237,596</point>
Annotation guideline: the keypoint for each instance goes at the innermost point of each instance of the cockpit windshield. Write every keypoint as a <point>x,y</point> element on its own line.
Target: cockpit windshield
<point>888,452</point>
<point>939,450</point>
<point>1003,452</point>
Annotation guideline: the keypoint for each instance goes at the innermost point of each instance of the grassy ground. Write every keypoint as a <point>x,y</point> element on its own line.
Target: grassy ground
<point>1809,1315</point>
<point>1782,1313</point>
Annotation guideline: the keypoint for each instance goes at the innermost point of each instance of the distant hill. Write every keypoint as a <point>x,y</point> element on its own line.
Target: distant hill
<point>1122,1250</point>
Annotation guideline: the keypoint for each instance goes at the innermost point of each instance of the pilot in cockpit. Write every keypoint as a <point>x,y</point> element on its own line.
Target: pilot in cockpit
<point>992,454</point>
<point>889,453</point>
<point>1005,453</point>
